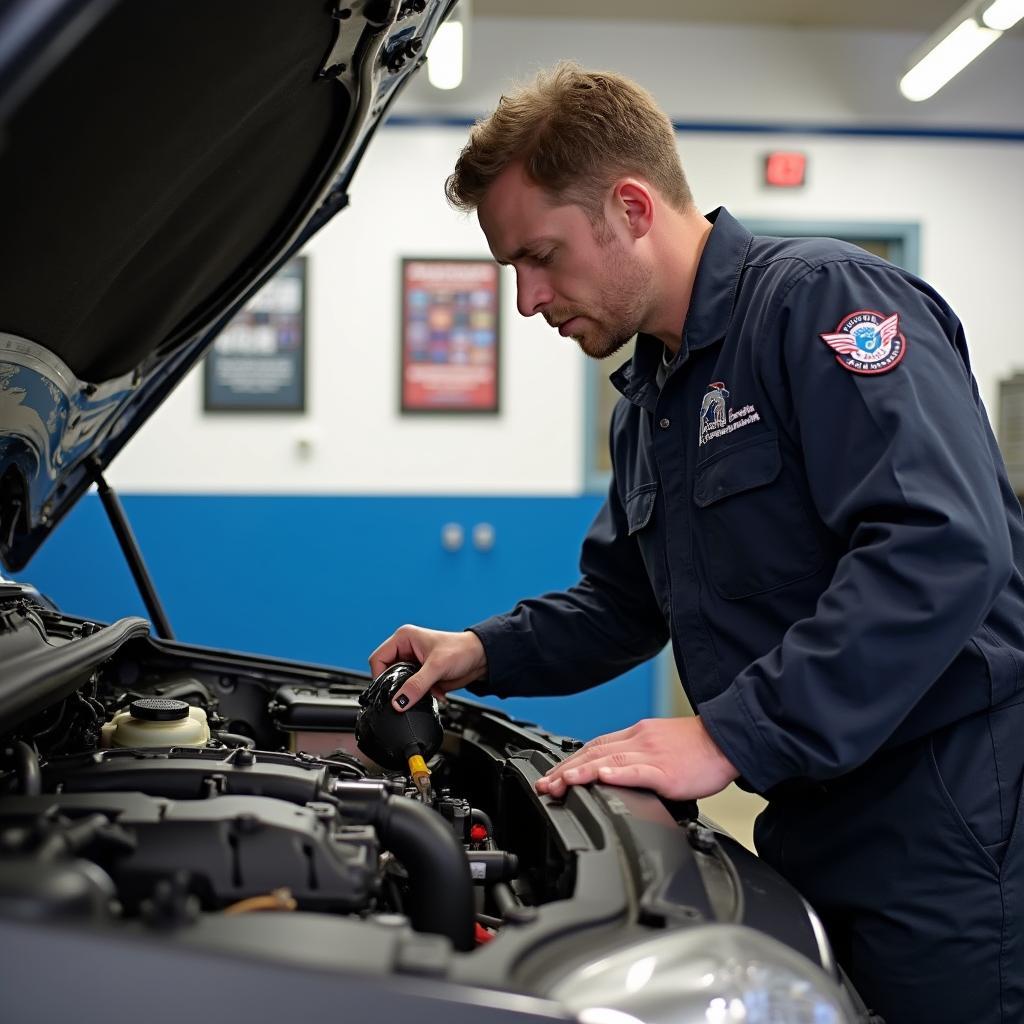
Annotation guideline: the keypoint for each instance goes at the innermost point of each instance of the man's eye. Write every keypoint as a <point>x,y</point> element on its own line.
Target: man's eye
<point>544,258</point>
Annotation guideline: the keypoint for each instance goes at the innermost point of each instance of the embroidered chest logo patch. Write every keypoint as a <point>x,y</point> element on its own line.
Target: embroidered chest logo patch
<point>867,342</point>
<point>716,420</point>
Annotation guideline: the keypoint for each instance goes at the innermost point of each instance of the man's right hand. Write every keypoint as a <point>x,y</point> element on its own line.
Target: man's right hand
<point>448,661</point>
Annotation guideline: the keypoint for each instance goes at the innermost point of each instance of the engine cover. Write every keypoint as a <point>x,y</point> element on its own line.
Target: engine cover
<point>226,848</point>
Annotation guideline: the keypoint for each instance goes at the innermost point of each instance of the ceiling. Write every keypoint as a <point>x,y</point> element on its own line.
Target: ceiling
<point>887,15</point>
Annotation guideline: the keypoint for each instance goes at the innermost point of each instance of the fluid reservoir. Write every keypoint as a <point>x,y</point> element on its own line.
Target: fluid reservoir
<point>157,722</point>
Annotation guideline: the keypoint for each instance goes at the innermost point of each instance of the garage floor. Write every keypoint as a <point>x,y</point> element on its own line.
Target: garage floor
<point>735,811</point>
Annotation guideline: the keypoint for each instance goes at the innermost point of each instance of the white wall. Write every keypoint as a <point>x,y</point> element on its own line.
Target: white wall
<point>966,195</point>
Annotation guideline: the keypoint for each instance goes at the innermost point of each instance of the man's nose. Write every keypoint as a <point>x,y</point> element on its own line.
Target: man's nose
<point>533,293</point>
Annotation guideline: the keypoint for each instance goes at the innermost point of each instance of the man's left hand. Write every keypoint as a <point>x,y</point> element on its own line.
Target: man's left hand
<point>676,757</point>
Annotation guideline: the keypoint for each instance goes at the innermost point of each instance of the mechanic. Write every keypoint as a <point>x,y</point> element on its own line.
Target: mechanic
<point>809,503</point>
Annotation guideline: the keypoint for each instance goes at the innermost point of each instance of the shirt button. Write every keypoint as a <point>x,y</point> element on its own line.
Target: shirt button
<point>664,423</point>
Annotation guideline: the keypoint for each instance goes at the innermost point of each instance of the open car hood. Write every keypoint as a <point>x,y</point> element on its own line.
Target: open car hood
<point>158,162</point>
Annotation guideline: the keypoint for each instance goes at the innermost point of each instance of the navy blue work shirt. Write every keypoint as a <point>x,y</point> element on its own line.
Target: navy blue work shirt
<point>812,507</point>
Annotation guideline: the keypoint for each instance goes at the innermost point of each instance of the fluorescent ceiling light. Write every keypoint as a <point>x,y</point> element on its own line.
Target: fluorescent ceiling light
<point>950,56</point>
<point>444,56</point>
<point>1003,14</point>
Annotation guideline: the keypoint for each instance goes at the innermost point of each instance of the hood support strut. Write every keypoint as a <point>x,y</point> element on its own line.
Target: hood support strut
<point>133,556</point>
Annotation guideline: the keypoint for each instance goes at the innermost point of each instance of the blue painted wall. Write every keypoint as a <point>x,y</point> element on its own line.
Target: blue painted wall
<point>326,579</point>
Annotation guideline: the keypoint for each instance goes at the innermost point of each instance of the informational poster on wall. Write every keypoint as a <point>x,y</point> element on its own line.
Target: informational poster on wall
<point>450,335</point>
<point>258,363</point>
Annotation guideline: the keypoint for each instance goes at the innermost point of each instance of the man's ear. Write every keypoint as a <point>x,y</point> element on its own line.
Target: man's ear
<point>633,204</point>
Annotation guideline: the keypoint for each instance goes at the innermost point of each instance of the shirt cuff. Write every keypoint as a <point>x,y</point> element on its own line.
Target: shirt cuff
<point>499,640</point>
<point>730,724</point>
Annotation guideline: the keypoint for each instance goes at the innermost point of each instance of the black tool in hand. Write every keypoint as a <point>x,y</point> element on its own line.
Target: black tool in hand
<point>398,740</point>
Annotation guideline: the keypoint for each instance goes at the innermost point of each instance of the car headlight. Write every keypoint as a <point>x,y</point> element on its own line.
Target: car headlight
<point>716,974</point>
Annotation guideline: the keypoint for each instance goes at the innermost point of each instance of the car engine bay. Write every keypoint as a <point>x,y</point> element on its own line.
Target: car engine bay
<point>156,796</point>
<point>219,802</point>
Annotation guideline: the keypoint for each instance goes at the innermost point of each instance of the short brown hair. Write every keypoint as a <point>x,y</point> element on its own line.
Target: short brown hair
<point>575,132</point>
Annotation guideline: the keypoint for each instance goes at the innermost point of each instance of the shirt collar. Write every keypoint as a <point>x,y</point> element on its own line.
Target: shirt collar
<point>707,319</point>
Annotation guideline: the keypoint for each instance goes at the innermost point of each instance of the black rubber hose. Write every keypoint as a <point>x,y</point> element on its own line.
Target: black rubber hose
<point>27,767</point>
<point>440,886</point>
<point>509,906</point>
<point>235,739</point>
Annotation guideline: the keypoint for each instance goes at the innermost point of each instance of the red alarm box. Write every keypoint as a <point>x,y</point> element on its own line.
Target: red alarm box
<point>785,169</point>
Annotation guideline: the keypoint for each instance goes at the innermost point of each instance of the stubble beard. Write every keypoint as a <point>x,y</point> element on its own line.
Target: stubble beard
<point>627,288</point>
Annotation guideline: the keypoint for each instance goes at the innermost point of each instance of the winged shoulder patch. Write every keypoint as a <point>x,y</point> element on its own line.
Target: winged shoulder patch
<point>867,342</point>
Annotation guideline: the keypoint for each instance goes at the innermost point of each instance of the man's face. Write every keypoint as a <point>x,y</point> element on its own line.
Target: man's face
<point>585,282</point>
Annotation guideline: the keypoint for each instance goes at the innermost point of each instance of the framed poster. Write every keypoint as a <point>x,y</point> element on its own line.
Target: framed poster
<point>258,362</point>
<point>450,335</point>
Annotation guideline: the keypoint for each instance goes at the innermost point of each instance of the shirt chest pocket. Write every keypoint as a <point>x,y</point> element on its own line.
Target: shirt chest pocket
<point>752,523</point>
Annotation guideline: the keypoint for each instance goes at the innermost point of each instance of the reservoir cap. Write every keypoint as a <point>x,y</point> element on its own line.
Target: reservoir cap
<point>158,709</point>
